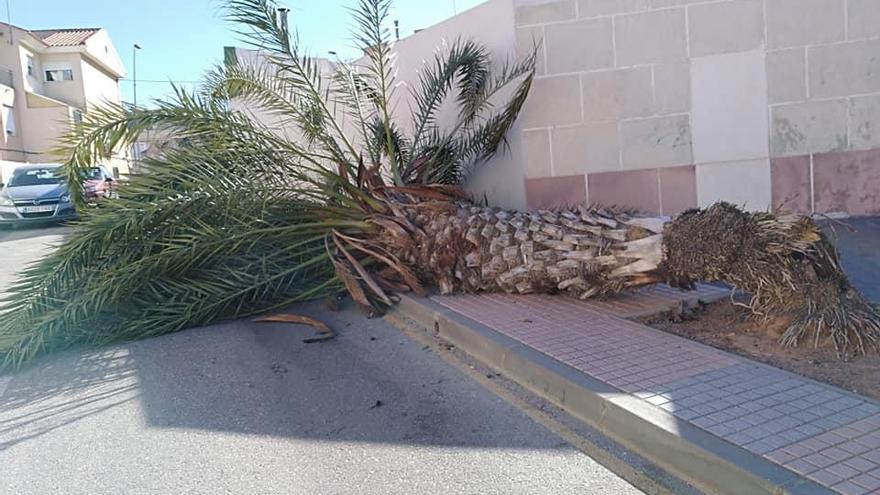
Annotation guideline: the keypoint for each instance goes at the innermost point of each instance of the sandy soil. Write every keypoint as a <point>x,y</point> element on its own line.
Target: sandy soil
<point>728,327</point>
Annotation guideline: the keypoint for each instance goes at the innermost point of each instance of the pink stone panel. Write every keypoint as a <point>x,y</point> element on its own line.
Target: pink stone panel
<point>638,189</point>
<point>678,189</point>
<point>790,183</point>
<point>555,192</point>
<point>847,181</point>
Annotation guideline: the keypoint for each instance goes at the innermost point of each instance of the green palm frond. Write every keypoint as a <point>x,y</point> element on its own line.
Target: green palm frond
<point>447,155</point>
<point>466,62</point>
<point>204,236</point>
<point>114,126</point>
<point>260,26</point>
<point>373,36</point>
<point>242,215</point>
<point>260,87</point>
<point>378,131</point>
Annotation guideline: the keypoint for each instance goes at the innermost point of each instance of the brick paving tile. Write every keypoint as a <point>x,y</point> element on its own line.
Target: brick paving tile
<point>843,471</point>
<point>802,467</point>
<point>781,457</point>
<point>860,464</point>
<point>873,456</point>
<point>867,481</point>
<point>813,429</point>
<point>824,477</point>
<point>848,488</point>
<point>854,447</point>
<point>819,460</point>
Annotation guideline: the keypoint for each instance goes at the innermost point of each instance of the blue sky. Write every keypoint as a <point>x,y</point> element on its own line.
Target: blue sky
<point>181,39</point>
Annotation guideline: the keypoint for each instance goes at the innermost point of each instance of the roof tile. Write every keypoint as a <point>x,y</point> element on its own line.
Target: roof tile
<point>65,37</point>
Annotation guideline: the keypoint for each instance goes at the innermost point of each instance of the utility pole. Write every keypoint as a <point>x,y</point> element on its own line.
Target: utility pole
<point>134,72</point>
<point>9,21</point>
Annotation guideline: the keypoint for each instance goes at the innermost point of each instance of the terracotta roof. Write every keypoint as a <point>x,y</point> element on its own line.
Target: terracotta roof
<point>65,37</point>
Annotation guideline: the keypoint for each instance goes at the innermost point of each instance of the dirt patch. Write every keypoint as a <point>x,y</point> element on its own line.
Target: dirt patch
<point>725,326</point>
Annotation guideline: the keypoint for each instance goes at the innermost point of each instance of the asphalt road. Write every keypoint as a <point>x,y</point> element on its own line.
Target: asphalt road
<point>858,240</point>
<point>248,408</point>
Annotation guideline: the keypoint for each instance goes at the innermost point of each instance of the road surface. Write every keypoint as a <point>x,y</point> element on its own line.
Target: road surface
<point>248,408</point>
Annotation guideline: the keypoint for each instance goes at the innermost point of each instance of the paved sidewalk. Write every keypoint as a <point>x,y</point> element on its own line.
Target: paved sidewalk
<point>822,432</point>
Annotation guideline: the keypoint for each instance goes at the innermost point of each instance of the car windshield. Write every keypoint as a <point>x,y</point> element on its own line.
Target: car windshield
<point>35,177</point>
<point>94,174</point>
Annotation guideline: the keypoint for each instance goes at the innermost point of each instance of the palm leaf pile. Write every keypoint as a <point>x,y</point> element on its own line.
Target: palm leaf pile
<point>237,220</point>
<point>241,218</point>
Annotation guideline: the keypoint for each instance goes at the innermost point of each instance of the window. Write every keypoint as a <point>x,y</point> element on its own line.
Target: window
<point>35,177</point>
<point>30,65</point>
<point>9,120</point>
<point>77,116</point>
<point>95,173</point>
<point>59,75</point>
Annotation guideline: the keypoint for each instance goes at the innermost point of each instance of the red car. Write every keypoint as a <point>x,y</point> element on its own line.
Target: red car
<point>100,183</point>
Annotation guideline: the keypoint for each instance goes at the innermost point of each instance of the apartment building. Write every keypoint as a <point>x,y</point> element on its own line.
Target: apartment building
<point>48,78</point>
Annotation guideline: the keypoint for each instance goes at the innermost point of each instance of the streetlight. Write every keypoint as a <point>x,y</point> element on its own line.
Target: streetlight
<point>134,75</point>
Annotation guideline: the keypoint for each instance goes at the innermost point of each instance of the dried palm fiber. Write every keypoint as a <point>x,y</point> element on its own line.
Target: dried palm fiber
<point>785,263</point>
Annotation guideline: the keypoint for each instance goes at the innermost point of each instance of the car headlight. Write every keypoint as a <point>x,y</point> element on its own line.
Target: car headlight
<point>65,198</point>
<point>5,201</point>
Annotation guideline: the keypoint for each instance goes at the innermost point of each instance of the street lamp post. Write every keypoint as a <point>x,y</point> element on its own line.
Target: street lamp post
<point>134,71</point>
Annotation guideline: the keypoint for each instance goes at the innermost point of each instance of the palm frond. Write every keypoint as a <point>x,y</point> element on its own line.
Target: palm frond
<point>358,100</point>
<point>116,126</point>
<point>448,155</point>
<point>204,236</point>
<point>240,217</point>
<point>261,27</point>
<point>466,63</point>
<point>262,92</point>
<point>374,38</point>
<point>378,131</point>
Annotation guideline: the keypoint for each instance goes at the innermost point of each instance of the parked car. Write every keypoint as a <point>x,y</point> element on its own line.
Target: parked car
<point>100,183</point>
<point>35,194</point>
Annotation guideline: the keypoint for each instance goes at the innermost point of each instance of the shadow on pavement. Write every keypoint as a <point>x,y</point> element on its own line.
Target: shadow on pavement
<point>32,231</point>
<point>370,384</point>
<point>62,390</point>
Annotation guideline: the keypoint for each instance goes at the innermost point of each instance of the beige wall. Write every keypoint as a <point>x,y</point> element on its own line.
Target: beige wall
<point>98,86</point>
<point>69,92</point>
<point>665,105</point>
<point>669,104</point>
<point>38,132</point>
<point>100,47</point>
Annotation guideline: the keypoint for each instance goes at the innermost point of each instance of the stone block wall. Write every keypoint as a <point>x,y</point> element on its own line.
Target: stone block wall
<point>665,105</point>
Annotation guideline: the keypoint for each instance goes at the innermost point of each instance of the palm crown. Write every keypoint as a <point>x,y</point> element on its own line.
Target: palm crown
<point>236,220</point>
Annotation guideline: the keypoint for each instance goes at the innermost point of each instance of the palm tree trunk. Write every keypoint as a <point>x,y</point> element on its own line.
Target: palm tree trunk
<point>583,252</point>
<point>784,262</point>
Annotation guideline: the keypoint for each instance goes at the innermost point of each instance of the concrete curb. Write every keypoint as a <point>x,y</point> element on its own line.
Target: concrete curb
<point>709,462</point>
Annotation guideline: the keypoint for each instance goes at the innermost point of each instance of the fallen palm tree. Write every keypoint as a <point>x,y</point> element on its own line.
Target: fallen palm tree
<point>237,220</point>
